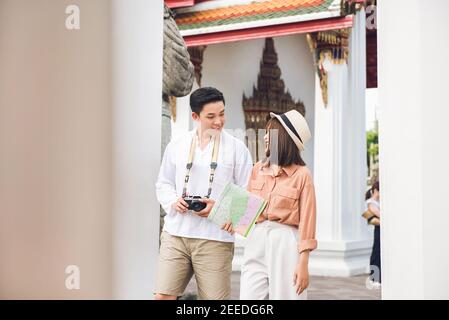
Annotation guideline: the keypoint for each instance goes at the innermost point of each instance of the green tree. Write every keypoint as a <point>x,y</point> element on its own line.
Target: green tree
<point>372,144</point>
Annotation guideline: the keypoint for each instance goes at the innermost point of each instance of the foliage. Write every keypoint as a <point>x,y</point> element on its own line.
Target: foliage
<point>372,142</point>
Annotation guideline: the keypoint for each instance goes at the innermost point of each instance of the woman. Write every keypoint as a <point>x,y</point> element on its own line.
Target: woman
<point>373,205</point>
<point>275,261</point>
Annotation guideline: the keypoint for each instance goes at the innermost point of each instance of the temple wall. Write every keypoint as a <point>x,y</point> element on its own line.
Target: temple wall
<point>233,69</point>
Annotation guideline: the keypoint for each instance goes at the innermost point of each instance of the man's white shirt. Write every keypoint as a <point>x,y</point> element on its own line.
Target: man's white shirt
<point>234,165</point>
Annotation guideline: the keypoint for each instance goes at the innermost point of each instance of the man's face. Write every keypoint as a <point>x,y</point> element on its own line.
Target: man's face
<point>211,117</point>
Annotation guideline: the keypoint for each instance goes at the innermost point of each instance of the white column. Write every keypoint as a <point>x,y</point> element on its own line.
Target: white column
<point>413,43</point>
<point>354,147</point>
<point>80,114</point>
<point>55,151</point>
<point>137,37</point>
<point>344,239</point>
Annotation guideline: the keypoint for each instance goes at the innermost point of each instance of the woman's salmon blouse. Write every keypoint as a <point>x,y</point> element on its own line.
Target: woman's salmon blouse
<point>291,199</point>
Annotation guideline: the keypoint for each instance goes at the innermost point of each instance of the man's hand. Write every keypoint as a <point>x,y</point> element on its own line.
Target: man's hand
<point>228,227</point>
<point>180,205</point>
<point>205,212</point>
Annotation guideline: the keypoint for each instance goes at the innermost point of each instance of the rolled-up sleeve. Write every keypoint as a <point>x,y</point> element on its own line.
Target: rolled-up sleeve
<point>307,218</point>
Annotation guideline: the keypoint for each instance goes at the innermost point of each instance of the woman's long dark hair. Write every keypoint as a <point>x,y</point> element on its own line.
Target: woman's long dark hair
<point>288,152</point>
<point>370,192</point>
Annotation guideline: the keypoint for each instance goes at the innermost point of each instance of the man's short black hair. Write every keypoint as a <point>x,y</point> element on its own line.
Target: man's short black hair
<point>203,96</point>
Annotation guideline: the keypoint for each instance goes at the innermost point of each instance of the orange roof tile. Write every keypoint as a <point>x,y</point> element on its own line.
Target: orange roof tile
<point>254,11</point>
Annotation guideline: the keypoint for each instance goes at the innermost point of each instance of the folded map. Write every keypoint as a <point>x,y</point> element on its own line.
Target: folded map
<point>235,204</point>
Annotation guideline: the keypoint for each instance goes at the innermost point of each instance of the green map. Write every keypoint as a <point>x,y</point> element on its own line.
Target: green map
<point>237,205</point>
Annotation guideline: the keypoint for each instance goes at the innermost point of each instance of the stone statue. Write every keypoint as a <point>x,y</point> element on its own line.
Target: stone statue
<point>178,75</point>
<point>179,72</point>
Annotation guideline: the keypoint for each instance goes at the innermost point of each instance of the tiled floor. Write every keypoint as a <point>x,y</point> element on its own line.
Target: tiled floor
<point>321,288</point>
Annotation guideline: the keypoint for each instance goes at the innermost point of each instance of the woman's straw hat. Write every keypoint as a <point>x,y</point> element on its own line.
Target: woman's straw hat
<point>295,125</point>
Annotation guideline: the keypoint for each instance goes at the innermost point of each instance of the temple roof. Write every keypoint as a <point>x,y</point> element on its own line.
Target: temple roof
<point>226,15</point>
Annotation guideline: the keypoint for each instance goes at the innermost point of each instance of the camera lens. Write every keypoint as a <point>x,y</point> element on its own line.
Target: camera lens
<point>198,206</point>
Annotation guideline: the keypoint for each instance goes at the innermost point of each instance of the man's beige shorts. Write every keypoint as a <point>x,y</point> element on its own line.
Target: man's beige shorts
<point>210,261</point>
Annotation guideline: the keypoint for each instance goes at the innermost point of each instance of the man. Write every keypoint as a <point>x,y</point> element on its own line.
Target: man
<point>190,243</point>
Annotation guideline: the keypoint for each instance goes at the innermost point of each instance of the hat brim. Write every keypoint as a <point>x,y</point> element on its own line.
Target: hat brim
<point>295,139</point>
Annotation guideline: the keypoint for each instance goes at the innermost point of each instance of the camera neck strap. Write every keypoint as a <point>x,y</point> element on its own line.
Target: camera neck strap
<point>213,163</point>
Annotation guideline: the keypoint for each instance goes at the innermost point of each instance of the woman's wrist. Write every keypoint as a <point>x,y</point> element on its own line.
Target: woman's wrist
<point>304,257</point>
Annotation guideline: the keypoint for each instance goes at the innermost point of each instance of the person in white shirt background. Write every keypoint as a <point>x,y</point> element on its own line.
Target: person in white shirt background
<point>190,243</point>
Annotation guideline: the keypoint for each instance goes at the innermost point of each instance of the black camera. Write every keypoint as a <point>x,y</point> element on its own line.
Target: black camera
<point>194,203</point>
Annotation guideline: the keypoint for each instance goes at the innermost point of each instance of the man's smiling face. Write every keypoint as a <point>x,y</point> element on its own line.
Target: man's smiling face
<point>212,116</point>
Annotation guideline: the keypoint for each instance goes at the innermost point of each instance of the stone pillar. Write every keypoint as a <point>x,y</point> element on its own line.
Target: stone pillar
<point>340,169</point>
<point>165,139</point>
<point>414,149</point>
<point>79,148</point>
<point>137,38</point>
